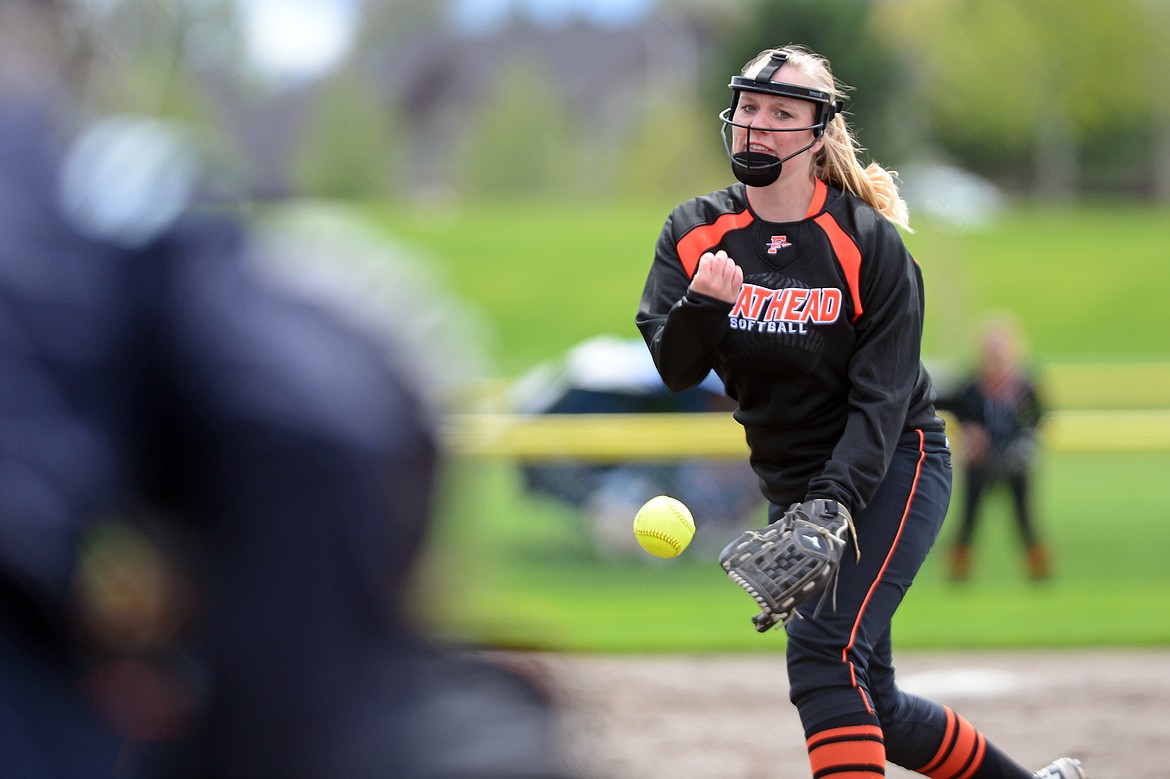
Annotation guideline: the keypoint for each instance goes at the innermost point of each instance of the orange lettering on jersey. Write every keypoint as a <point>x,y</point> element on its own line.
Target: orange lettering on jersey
<point>751,301</point>
<point>763,297</point>
<point>794,301</point>
<point>828,305</point>
<point>821,305</point>
<point>773,314</point>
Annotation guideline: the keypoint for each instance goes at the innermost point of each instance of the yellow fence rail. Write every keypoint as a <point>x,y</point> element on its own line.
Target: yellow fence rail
<point>1095,407</point>
<point>1133,385</point>
<point>618,437</point>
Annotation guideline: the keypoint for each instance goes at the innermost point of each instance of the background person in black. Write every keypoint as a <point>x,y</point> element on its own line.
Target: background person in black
<point>796,288</point>
<point>999,410</point>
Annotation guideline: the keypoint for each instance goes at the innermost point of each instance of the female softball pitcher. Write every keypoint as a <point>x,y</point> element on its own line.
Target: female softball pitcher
<point>795,286</point>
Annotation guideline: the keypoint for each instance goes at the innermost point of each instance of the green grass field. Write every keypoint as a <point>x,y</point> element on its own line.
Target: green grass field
<point>527,576</point>
<point>1088,284</point>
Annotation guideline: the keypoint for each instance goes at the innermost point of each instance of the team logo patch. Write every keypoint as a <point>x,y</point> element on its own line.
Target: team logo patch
<point>777,243</point>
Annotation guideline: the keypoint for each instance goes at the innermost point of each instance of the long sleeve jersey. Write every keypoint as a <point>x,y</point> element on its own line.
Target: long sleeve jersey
<point>821,350</point>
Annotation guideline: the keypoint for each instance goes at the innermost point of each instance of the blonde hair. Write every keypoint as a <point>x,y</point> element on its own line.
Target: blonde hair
<point>837,161</point>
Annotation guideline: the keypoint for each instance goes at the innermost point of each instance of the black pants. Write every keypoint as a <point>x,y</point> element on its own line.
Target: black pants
<point>841,661</point>
<point>840,664</point>
<point>979,480</point>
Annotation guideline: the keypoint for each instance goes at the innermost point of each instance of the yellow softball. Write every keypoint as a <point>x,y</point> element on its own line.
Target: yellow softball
<point>664,526</point>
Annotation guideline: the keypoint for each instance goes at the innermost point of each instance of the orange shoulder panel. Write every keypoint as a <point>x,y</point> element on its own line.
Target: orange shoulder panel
<point>847,254</point>
<point>703,237</point>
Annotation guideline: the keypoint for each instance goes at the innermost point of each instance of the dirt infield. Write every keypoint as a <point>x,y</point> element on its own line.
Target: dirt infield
<point>729,716</point>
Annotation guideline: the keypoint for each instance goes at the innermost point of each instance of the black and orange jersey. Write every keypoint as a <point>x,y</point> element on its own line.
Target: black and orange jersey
<point>821,351</point>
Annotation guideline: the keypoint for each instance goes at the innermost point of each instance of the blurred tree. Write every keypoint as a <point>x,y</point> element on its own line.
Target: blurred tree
<point>135,57</point>
<point>386,23</point>
<point>1009,81</point>
<point>674,152</point>
<point>349,145</point>
<point>1156,42</point>
<point>523,140</point>
<point>176,59</point>
<point>1035,93</point>
<point>838,29</point>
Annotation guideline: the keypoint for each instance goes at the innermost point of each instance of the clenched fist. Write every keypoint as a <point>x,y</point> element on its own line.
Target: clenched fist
<point>718,276</point>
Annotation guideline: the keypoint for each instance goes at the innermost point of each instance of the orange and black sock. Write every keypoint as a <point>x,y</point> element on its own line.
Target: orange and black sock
<point>965,753</point>
<point>848,752</point>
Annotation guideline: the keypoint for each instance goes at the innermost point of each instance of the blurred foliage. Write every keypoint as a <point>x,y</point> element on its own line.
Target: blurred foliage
<point>521,138</point>
<point>350,145</point>
<point>839,30</point>
<point>1020,91</point>
<point>1009,83</point>
<point>1039,95</point>
<point>673,151</point>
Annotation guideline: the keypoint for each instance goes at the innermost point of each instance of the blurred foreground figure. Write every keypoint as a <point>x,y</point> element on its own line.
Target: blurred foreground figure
<point>211,497</point>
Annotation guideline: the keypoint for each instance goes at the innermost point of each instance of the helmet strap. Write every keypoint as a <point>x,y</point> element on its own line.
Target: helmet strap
<point>775,62</point>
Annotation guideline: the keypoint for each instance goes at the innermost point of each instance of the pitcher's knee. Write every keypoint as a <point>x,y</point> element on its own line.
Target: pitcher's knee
<point>818,671</point>
<point>913,726</point>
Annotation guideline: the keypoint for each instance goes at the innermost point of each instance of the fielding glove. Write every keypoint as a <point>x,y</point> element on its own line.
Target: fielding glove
<point>791,560</point>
